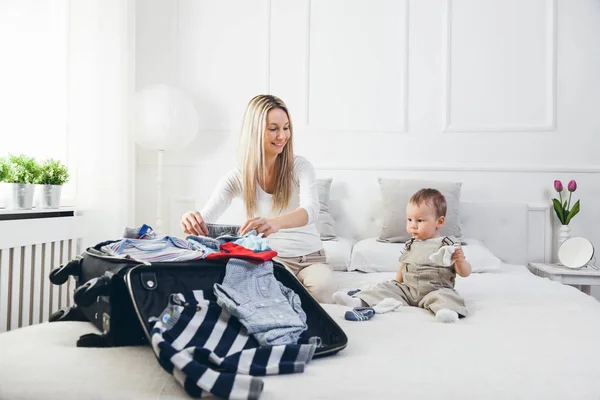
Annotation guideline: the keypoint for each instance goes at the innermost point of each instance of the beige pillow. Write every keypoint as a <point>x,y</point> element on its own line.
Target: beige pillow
<point>395,194</point>
<point>325,221</point>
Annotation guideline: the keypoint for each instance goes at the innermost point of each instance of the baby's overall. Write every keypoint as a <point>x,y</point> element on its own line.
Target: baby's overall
<point>424,284</point>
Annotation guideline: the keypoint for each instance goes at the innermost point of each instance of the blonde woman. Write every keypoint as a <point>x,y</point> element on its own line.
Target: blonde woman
<point>279,192</point>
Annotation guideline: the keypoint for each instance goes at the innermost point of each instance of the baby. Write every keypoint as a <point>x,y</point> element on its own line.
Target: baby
<point>427,271</point>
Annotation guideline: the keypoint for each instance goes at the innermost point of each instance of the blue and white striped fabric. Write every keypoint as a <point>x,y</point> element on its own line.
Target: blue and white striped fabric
<point>360,314</point>
<point>194,337</point>
<point>166,248</point>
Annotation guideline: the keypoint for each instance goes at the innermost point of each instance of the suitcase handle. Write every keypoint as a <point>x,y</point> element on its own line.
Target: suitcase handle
<point>61,274</point>
<point>68,314</point>
<point>86,294</point>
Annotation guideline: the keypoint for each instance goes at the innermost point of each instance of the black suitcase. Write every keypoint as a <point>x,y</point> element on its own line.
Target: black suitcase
<point>120,296</point>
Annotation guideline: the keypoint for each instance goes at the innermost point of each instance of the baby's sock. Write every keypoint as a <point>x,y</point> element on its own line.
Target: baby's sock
<point>349,301</point>
<point>446,315</point>
<point>360,314</point>
<point>386,305</point>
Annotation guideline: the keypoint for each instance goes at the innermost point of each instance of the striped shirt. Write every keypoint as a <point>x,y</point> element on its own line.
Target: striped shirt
<point>166,248</point>
<point>209,351</point>
<point>170,248</point>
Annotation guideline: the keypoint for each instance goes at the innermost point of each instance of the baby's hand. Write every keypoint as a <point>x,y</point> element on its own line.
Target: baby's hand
<point>461,265</point>
<point>458,255</point>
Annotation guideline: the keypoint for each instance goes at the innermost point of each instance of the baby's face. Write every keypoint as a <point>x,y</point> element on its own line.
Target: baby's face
<point>422,222</point>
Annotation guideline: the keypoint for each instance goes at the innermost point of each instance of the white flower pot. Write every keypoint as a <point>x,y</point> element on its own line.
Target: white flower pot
<point>564,233</point>
<point>49,196</point>
<point>19,196</point>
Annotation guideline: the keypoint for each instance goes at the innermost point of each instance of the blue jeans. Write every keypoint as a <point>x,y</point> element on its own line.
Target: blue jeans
<point>270,311</point>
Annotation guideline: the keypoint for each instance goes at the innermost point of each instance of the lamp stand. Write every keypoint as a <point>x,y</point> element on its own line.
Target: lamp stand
<point>159,223</point>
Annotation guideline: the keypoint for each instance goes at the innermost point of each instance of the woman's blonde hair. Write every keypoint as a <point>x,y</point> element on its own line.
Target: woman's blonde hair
<point>252,154</point>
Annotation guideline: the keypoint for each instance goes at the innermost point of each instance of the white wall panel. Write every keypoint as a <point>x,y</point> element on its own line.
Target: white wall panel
<point>155,27</point>
<point>358,65</point>
<point>223,50</point>
<point>500,65</point>
<point>290,48</point>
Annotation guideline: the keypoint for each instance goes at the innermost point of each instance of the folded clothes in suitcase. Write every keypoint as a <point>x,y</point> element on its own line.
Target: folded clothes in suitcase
<point>122,296</point>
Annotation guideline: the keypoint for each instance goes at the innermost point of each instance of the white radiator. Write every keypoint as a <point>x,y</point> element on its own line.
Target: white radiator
<point>29,250</point>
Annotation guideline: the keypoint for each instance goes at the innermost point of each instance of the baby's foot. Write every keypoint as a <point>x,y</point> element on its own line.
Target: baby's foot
<point>349,301</point>
<point>446,315</point>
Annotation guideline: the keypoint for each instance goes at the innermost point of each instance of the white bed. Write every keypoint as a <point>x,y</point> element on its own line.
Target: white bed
<point>526,337</point>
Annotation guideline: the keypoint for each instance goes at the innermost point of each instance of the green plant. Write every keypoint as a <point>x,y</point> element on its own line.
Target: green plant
<point>22,169</point>
<point>53,172</point>
<point>5,170</point>
<point>562,208</point>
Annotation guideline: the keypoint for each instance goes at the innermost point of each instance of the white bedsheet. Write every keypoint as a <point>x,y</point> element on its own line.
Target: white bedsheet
<point>527,337</point>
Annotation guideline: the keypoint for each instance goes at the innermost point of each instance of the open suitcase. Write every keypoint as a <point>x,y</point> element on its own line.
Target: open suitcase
<point>120,296</point>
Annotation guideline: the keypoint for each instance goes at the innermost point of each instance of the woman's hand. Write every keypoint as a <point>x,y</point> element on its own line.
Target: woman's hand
<point>193,224</point>
<point>266,226</point>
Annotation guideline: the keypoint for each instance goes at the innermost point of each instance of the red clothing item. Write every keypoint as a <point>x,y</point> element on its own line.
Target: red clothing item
<point>232,250</point>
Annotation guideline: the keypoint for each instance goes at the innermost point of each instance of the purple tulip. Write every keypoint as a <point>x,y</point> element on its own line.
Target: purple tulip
<point>558,186</point>
<point>572,186</point>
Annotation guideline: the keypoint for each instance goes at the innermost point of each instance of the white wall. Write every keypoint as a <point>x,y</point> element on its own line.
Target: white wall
<point>500,94</point>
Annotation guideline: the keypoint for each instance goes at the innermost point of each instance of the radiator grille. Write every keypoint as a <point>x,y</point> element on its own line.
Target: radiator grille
<point>26,295</point>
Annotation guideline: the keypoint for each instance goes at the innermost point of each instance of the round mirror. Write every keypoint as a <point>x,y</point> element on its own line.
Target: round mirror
<point>575,252</point>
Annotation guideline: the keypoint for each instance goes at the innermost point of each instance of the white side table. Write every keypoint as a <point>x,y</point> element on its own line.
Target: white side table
<point>583,277</point>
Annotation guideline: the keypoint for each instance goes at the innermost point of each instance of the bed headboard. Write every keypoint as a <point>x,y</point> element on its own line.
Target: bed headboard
<point>517,233</point>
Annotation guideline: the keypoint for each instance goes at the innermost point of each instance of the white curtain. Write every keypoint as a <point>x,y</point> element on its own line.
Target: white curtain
<point>101,79</point>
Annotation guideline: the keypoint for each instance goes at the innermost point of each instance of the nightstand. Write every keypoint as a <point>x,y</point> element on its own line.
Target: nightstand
<point>583,277</point>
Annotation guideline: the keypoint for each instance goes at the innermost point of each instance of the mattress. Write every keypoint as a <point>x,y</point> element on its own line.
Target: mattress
<point>526,337</point>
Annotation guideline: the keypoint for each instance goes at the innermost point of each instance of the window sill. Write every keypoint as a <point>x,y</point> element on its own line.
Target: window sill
<point>11,215</point>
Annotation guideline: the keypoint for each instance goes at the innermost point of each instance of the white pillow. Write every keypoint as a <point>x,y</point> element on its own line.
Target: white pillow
<point>480,257</point>
<point>395,194</point>
<point>337,253</point>
<point>324,222</point>
<point>370,255</point>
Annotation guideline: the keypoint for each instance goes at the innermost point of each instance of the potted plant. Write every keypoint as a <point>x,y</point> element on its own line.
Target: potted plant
<point>53,174</point>
<point>5,172</point>
<point>564,211</point>
<point>5,169</point>
<point>20,173</point>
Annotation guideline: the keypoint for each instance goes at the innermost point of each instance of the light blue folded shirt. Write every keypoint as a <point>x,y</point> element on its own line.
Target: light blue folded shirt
<point>211,245</point>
